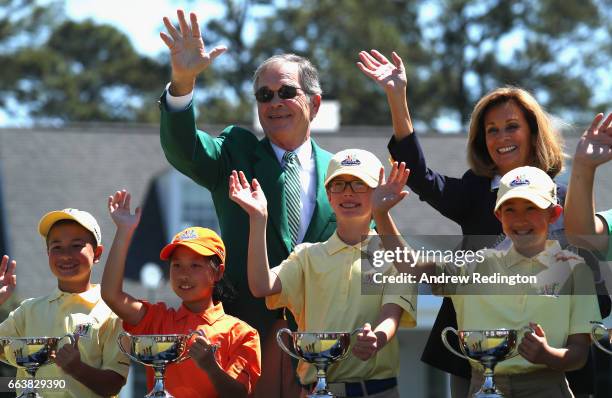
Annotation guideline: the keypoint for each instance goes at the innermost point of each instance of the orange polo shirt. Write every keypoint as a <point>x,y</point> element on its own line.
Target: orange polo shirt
<point>238,353</point>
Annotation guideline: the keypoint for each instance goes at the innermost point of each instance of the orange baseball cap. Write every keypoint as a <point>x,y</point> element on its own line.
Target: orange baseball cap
<point>203,241</point>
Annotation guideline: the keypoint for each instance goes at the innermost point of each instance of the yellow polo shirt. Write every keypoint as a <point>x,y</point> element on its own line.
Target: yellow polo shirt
<point>60,313</point>
<point>563,301</point>
<point>321,286</point>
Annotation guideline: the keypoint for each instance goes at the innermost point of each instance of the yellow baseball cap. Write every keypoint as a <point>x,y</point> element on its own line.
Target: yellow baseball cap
<point>85,219</point>
<point>356,162</point>
<point>530,183</point>
<point>203,241</point>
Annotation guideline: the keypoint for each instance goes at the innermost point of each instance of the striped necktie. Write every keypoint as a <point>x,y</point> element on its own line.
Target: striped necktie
<point>292,194</point>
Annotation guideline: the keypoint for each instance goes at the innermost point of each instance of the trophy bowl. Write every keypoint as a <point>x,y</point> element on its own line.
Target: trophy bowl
<point>318,348</point>
<point>600,332</point>
<point>30,353</point>
<point>488,347</point>
<point>156,351</point>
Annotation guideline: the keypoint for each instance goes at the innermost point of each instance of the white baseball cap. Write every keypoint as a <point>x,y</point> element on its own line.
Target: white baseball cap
<point>85,219</point>
<point>356,162</point>
<point>530,183</point>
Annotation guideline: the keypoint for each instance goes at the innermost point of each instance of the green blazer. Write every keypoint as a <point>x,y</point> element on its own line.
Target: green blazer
<point>209,161</point>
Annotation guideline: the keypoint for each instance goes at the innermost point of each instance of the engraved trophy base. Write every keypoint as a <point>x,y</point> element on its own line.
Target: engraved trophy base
<point>320,394</point>
<point>493,394</point>
<point>30,394</point>
<point>159,394</point>
<point>159,391</point>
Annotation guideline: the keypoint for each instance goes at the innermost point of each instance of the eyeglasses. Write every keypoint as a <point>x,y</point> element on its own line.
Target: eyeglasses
<point>357,186</point>
<point>264,94</point>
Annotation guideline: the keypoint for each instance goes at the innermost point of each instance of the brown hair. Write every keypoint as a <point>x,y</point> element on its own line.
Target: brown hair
<point>548,144</point>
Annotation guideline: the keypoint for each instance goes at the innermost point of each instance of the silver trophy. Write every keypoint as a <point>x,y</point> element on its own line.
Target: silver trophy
<point>318,348</point>
<point>598,332</point>
<point>487,347</point>
<point>30,353</point>
<point>157,351</point>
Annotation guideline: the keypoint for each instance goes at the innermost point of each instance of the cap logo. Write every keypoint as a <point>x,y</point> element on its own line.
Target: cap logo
<point>188,234</point>
<point>519,180</point>
<point>350,161</point>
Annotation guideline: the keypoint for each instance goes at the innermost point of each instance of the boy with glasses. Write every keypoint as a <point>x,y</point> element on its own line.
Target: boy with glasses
<point>321,283</point>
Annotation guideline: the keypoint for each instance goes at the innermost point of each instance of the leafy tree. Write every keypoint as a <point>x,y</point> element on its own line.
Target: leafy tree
<point>83,72</point>
<point>478,46</point>
<point>332,32</point>
<point>23,23</point>
<point>454,50</point>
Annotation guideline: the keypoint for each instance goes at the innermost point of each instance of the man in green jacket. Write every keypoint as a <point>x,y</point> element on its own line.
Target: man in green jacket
<point>287,163</point>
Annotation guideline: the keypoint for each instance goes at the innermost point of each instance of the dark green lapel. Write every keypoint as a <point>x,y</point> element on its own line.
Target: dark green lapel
<point>269,174</point>
<point>322,213</point>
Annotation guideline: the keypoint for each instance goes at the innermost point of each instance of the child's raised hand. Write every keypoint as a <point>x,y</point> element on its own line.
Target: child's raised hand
<point>534,346</point>
<point>595,145</point>
<point>366,343</point>
<point>388,193</point>
<point>119,209</point>
<point>8,279</point>
<point>250,197</point>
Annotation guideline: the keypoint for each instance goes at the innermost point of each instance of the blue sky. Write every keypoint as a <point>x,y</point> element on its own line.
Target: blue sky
<point>141,20</point>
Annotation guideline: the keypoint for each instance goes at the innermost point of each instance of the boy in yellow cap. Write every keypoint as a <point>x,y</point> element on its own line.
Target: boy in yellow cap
<point>197,261</point>
<point>320,283</point>
<point>93,366</point>
<point>558,306</point>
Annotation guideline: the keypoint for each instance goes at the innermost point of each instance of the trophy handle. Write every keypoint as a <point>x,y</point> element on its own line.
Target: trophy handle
<point>597,343</point>
<point>70,337</point>
<point>447,345</point>
<point>358,330</point>
<point>521,333</point>
<point>196,332</point>
<point>279,340</point>
<point>126,334</point>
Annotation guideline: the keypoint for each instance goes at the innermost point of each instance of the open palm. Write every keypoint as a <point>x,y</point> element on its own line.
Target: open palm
<point>595,145</point>
<point>250,197</point>
<point>390,76</point>
<point>388,193</point>
<point>119,209</point>
<point>8,279</point>
<point>187,50</point>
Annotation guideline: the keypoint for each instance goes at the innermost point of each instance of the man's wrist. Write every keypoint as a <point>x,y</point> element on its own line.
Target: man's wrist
<point>181,86</point>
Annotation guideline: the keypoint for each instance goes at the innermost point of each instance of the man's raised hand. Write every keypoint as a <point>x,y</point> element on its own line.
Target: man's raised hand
<point>188,53</point>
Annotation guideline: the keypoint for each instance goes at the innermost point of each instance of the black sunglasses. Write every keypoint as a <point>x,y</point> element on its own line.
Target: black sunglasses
<point>264,94</point>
